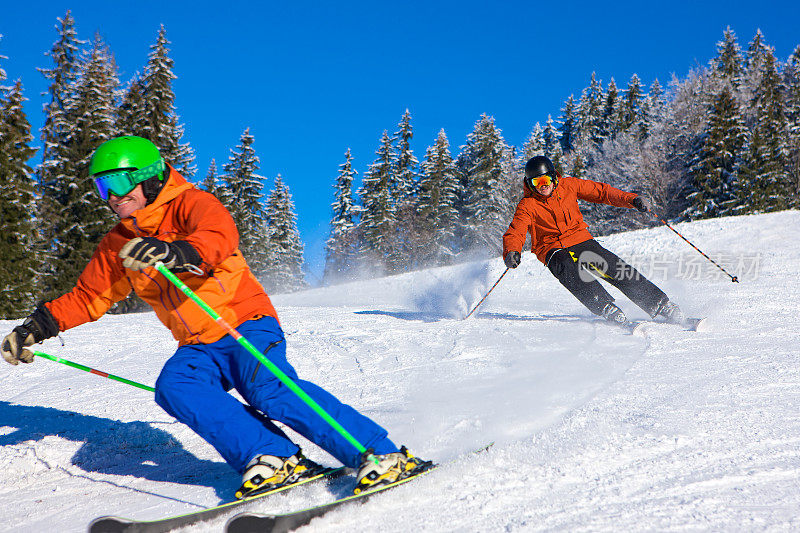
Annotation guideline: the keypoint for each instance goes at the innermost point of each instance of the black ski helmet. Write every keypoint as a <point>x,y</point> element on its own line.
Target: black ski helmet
<point>539,166</point>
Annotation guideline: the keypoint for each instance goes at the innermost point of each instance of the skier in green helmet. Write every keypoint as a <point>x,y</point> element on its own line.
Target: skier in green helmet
<point>165,218</point>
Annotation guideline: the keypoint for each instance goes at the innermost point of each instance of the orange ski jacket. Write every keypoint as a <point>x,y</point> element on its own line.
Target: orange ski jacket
<point>180,212</point>
<point>556,221</point>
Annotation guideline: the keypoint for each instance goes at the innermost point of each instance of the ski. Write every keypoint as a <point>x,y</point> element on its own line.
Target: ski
<point>280,523</point>
<point>639,327</point>
<point>115,524</point>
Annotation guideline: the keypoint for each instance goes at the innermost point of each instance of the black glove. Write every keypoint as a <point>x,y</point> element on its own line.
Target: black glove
<point>640,204</point>
<point>40,325</point>
<point>513,259</point>
<point>143,252</point>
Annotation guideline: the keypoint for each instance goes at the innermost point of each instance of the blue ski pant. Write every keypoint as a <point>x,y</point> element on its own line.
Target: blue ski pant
<point>193,387</point>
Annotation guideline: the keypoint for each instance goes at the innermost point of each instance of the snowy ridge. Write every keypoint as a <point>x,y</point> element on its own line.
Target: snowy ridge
<point>594,429</point>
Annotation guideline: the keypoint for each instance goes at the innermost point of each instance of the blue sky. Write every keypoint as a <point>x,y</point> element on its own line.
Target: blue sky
<point>311,79</point>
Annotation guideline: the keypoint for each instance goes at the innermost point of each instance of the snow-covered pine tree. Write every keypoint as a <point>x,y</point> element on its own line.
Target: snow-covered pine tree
<point>131,113</point>
<point>378,222</point>
<point>577,161</point>
<point>610,114</point>
<point>511,185</point>
<point>791,91</point>
<point>209,183</point>
<point>55,130</point>
<point>62,76</point>
<point>487,206</point>
<point>405,193</point>
<point>285,268</point>
<point>216,185</point>
<point>82,218</point>
<point>341,249</point>
<point>590,113</point>
<point>405,177</point>
<point>652,111</point>
<point>755,61</point>
<point>162,122</point>
<point>769,187</point>
<point>629,109</point>
<point>568,125</point>
<point>729,62</point>
<point>534,144</point>
<point>436,205</point>
<point>689,111</point>
<point>716,166</point>
<point>552,145</point>
<point>19,260</point>
<point>244,197</point>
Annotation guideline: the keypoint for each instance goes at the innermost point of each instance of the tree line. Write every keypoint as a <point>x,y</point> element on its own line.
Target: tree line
<point>52,219</point>
<point>723,141</point>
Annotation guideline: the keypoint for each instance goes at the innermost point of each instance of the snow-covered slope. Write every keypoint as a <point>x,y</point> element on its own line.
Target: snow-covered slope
<point>594,429</point>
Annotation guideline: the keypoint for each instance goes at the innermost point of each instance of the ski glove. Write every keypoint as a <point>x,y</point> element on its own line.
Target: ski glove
<point>513,259</point>
<point>40,325</point>
<point>143,252</point>
<point>640,204</point>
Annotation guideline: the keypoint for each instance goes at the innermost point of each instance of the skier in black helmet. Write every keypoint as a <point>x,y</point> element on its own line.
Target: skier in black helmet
<point>560,239</point>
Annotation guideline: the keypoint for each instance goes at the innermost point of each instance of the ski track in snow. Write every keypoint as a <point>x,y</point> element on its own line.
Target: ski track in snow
<point>594,430</point>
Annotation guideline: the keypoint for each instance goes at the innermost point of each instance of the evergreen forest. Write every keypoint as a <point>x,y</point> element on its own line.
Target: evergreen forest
<point>723,141</point>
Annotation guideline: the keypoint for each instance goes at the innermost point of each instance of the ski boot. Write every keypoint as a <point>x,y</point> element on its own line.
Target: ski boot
<point>614,314</point>
<point>267,472</point>
<point>389,468</point>
<point>670,312</point>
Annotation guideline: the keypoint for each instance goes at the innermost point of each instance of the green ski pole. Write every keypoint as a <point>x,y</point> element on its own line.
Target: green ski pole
<point>92,370</point>
<point>286,380</point>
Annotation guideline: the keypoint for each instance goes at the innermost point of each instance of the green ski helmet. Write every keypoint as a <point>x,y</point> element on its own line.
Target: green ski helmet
<point>120,164</point>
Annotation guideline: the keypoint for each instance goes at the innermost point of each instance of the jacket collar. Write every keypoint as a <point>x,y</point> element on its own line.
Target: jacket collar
<point>148,219</point>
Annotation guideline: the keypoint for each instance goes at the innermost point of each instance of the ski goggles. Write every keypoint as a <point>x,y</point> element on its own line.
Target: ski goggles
<point>121,182</point>
<point>544,179</point>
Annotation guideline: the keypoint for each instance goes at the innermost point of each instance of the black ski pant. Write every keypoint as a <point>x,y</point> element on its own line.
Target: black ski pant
<point>580,266</point>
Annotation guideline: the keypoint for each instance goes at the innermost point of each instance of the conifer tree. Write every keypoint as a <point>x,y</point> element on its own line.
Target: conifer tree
<point>651,112</point>
<point>729,62</point>
<point>552,145</point>
<point>162,125</point>
<point>769,185</point>
<point>791,91</point>
<point>716,167</point>
<point>81,217</point>
<point>341,249</point>
<point>284,271</point>
<point>213,183</point>
<point>50,175</point>
<point>210,182</point>
<point>405,192</point>
<point>610,114</point>
<point>131,113</point>
<point>534,144</point>
<point>590,111</point>
<point>754,65</point>
<point>757,52</point>
<point>405,174</point>
<point>629,110</point>
<point>568,125</point>
<point>487,205</point>
<point>437,204</point>
<point>378,208</point>
<point>243,200</point>
<point>19,262</point>
<point>62,76</point>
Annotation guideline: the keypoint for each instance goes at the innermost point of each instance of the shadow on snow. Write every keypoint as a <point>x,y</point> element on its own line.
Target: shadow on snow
<point>119,448</point>
<point>426,316</point>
